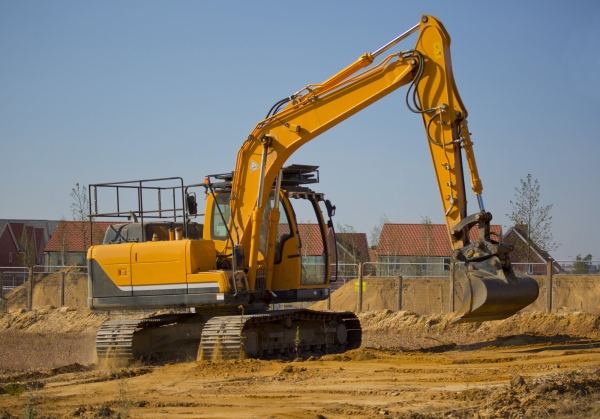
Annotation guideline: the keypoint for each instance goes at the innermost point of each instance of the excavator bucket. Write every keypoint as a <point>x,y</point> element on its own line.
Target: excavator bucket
<point>490,297</point>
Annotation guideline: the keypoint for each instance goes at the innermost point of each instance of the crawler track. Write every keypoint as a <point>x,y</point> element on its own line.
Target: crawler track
<point>115,339</point>
<point>277,333</point>
<point>266,335</point>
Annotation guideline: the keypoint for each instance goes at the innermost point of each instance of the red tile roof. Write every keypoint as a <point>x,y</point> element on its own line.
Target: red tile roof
<point>411,239</point>
<point>355,243</point>
<point>73,232</point>
<point>311,239</point>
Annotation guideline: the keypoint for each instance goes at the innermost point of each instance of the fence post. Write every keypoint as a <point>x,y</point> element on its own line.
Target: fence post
<point>400,293</point>
<point>62,289</point>
<point>549,285</point>
<point>329,300</point>
<point>360,286</point>
<point>452,265</point>
<point>30,290</point>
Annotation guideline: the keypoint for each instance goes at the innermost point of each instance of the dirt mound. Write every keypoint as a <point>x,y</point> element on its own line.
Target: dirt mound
<point>47,337</point>
<point>421,295</point>
<point>409,330</point>
<point>47,290</point>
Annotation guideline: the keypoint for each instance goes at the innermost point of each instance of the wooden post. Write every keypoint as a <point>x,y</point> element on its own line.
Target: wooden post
<point>400,293</point>
<point>360,287</point>
<point>549,285</point>
<point>30,290</point>
<point>451,286</point>
<point>62,289</point>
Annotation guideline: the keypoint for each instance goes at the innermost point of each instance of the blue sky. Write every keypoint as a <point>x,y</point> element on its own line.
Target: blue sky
<point>95,92</point>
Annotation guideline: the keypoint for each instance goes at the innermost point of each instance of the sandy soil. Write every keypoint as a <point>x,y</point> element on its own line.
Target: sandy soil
<point>47,290</point>
<point>410,366</point>
<point>524,382</point>
<point>414,366</point>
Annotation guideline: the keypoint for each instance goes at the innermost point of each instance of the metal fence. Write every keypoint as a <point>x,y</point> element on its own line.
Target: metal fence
<point>51,285</point>
<point>571,285</point>
<point>564,284</point>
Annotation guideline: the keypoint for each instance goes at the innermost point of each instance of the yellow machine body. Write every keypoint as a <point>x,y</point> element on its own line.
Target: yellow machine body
<point>249,247</point>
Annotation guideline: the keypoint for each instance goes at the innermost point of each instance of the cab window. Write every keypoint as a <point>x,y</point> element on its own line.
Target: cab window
<point>218,227</point>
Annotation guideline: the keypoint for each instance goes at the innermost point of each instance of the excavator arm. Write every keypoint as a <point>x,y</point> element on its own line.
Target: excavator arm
<point>294,121</point>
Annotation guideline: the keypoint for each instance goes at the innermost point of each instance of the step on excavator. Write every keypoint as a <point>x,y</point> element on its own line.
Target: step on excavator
<point>223,277</point>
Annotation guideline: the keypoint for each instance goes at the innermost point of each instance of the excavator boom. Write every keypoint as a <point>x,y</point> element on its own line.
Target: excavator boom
<point>433,94</point>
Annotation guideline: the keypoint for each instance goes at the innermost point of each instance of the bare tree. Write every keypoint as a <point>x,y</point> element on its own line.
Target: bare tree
<point>79,209</point>
<point>346,242</point>
<point>61,234</point>
<point>534,218</point>
<point>27,249</point>
<point>428,241</point>
<point>375,232</point>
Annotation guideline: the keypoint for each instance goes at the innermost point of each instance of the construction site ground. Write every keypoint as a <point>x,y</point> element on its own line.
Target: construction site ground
<point>532,365</point>
<point>410,366</point>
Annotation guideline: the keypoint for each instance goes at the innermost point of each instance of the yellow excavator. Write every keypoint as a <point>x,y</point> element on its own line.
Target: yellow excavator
<point>248,254</point>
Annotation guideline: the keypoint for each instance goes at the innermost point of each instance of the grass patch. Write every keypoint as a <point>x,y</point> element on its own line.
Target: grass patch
<point>14,389</point>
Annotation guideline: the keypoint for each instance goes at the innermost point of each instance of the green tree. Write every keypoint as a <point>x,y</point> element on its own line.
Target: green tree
<point>582,265</point>
<point>534,218</point>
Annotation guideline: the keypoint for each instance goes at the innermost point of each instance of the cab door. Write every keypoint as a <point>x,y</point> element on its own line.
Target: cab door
<point>302,254</point>
<point>287,266</point>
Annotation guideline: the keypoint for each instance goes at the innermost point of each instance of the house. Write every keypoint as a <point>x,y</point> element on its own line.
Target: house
<point>352,248</point>
<point>70,241</point>
<point>22,242</point>
<point>527,255</point>
<point>419,249</point>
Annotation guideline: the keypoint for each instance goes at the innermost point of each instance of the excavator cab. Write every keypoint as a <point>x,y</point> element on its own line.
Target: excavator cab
<point>302,247</point>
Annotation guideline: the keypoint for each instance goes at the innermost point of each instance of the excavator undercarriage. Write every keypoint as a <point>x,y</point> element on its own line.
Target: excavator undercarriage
<point>266,335</point>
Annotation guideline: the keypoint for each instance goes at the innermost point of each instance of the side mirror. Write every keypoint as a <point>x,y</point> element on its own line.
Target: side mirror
<point>330,208</point>
<point>192,205</point>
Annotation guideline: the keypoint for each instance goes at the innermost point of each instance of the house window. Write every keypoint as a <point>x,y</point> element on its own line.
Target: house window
<point>446,262</point>
<point>530,269</point>
<point>10,256</point>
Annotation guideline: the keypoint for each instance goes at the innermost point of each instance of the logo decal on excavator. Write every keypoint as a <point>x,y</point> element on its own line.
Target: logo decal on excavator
<point>437,49</point>
<point>253,166</point>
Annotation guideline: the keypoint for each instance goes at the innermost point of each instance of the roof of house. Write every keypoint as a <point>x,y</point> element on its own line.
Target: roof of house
<point>355,244</point>
<point>520,231</point>
<point>310,237</point>
<point>412,239</point>
<point>20,233</point>
<point>47,225</point>
<point>73,234</point>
